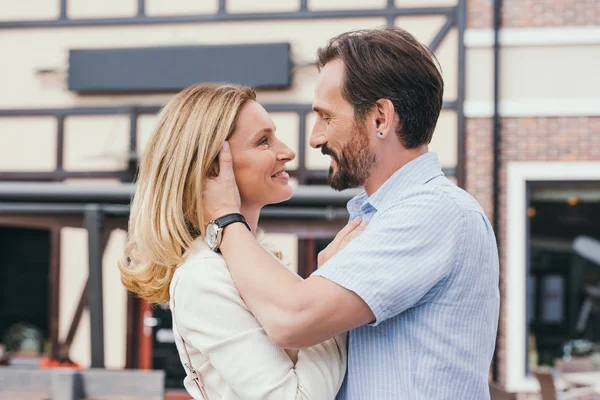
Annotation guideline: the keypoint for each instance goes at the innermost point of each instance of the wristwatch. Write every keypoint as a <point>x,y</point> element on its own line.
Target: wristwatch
<point>214,229</point>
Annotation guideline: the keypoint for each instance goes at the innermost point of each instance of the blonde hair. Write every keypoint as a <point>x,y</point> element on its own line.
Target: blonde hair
<point>166,211</point>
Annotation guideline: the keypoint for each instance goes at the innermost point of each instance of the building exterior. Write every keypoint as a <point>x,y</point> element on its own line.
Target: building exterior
<point>544,187</point>
<point>67,120</point>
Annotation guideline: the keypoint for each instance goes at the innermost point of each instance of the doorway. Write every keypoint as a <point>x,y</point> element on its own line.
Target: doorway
<point>24,283</point>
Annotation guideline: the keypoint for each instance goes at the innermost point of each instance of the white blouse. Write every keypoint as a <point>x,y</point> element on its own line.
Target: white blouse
<point>226,345</point>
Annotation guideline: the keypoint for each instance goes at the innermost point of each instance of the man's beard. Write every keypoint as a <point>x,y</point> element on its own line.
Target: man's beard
<point>354,162</point>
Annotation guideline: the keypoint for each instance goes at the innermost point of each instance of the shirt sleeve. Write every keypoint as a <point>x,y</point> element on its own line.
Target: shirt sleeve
<point>403,255</point>
<point>213,319</point>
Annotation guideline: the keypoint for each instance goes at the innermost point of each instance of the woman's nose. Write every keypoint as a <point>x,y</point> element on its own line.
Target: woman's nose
<point>286,154</point>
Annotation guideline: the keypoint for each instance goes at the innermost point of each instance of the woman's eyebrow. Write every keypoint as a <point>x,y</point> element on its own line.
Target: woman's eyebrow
<point>262,132</point>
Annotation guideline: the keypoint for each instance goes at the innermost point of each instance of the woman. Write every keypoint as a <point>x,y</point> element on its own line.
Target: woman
<point>225,351</point>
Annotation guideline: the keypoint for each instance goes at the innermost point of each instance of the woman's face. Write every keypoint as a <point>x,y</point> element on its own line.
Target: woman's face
<point>259,158</point>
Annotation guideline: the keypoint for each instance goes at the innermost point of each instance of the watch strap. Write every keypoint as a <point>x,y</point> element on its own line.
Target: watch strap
<point>229,219</point>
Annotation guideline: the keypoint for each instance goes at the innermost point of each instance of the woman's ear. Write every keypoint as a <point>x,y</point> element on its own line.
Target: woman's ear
<point>213,170</point>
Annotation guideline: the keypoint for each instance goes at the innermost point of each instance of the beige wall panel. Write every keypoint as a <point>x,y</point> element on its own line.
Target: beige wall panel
<point>22,87</point>
<point>447,55</point>
<point>287,244</point>
<point>145,128</point>
<point>425,29</point>
<point>99,143</point>
<point>444,140</point>
<point>479,75</point>
<point>551,72</point>
<point>29,9</point>
<point>314,158</point>
<point>73,277</point>
<point>425,3</point>
<point>28,144</point>
<point>115,302</point>
<point>287,132</point>
<point>101,8</point>
<point>181,7</point>
<point>422,28</point>
<point>302,90</point>
<point>81,349</point>
<point>531,73</point>
<point>245,6</point>
<point>346,4</point>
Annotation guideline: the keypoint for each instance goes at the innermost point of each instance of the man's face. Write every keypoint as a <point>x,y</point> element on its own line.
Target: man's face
<point>338,134</point>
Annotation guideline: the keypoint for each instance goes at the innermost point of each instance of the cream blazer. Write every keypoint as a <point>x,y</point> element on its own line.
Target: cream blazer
<point>229,350</point>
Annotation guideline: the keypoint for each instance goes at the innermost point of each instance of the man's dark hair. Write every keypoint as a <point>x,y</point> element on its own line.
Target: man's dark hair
<point>389,63</point>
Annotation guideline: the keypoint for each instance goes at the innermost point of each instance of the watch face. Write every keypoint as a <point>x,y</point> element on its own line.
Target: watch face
<point>211,235</point>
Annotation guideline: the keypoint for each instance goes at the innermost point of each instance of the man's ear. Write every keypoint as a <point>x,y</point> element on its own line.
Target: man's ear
<point>213,170</point>
<point>385,114</point>
<point>384,117</point>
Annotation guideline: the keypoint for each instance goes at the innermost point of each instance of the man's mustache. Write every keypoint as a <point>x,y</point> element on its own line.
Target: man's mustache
<point>327,152</point>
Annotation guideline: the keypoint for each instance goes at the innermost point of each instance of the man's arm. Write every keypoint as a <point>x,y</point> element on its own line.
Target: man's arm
<point>295,313</point>
<point>396,263</point>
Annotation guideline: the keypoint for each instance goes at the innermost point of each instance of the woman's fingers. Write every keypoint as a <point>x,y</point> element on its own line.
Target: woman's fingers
<point>341,240</point>
<point>350,226</point>
<point>352,235</point>
<point>220,193</point>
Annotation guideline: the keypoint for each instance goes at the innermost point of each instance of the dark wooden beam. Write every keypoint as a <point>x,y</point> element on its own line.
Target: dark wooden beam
<point>76,319</point>
<point>54,290</point>
<point>132,331</point>
<point>306,257</point>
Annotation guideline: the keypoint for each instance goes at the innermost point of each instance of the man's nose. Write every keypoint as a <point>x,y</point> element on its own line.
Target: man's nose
<point>317,137</point>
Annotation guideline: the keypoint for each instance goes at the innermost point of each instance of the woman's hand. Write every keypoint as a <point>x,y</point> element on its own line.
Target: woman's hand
<point>341,240</point>
<point>220,194</point>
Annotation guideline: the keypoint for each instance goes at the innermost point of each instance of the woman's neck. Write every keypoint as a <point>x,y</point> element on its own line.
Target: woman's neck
<point>251,213</point>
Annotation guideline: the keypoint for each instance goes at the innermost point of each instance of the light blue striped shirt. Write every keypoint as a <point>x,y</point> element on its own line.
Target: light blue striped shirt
<point>427,266</point>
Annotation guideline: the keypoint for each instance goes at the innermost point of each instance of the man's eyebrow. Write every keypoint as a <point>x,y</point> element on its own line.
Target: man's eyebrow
<point>320,110</point>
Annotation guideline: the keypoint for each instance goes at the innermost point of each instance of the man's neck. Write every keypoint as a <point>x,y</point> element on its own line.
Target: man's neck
<point>388,165</point>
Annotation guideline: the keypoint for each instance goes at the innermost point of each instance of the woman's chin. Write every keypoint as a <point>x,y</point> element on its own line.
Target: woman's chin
<point>283,194</point>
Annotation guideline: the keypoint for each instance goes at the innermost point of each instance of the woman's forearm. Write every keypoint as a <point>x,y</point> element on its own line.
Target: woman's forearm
<point>272,292</point>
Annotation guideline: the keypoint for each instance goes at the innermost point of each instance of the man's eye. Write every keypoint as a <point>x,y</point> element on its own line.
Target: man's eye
<point>326,118</point>
<point>263,141</point>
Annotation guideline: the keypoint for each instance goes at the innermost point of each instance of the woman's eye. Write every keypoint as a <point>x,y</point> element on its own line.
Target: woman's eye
<point>263,141</point>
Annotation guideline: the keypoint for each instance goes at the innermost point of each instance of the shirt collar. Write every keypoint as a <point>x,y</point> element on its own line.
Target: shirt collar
<point>416,172</point>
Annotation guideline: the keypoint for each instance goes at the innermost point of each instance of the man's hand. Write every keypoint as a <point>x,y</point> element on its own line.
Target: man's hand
<point>341,240</point>
<point>220,194</point>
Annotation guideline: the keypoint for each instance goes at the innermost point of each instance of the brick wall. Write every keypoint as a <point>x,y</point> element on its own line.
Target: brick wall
<point>523,139</point>
<point>535,13</point>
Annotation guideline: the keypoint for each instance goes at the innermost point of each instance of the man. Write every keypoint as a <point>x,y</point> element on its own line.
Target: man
<point>418,289</point>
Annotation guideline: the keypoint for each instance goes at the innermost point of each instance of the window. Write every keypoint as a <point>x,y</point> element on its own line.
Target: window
<point>560,277</point>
